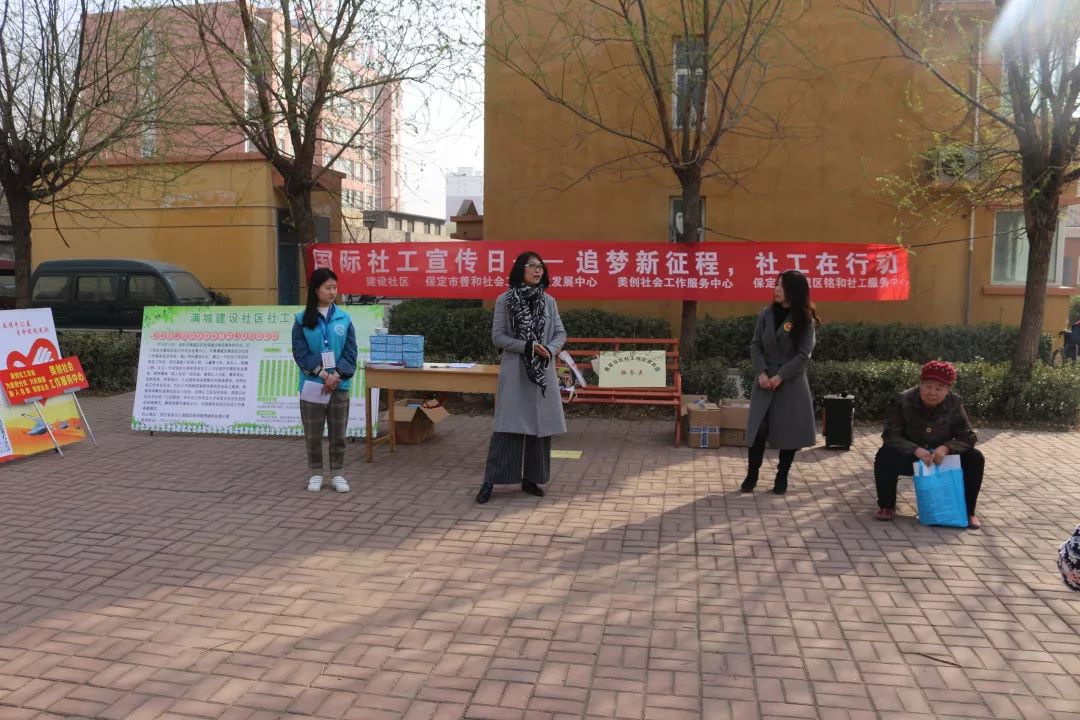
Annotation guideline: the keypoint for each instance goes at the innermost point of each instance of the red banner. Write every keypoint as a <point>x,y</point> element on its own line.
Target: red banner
<point>38,382</point>
<point>838,272</point>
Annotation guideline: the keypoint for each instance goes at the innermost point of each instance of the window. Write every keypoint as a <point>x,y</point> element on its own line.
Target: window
<point>95,288</point>
<point>187,288</point>
<point>1069,273</point>
<point>1011,250</point>
<point>147,289</point>
<point>50,288</point>
<point>675,219</point>
<point>689,81</point>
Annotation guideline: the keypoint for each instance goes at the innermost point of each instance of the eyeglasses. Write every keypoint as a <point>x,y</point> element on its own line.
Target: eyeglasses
<point>534,266</point>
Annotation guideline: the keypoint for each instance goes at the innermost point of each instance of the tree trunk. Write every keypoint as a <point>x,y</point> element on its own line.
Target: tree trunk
<point>303,217</point>
<point>19,207</point>
<point>1042,226</point>
<point>692,224</point>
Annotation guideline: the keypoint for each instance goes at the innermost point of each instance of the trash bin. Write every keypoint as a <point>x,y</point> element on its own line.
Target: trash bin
<point>838,421</point>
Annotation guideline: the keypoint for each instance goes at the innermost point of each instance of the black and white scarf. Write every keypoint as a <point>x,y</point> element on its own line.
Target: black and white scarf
<point>526,306</point>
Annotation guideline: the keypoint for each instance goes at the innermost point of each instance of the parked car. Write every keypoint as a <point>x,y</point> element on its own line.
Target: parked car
<point>111,294</point>
<point>7,284</point>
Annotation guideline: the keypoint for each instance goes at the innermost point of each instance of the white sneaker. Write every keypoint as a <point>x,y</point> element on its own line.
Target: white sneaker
<point>339,484</point>
<point>314,484</point>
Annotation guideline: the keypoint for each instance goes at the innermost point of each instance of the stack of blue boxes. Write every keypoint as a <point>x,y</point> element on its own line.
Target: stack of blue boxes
<point>407,349</point>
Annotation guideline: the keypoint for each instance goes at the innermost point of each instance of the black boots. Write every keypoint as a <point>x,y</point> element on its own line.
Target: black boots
<point>787,457</point>
<point>485,493</point>
<point>532,488</point>
<point>526,485</point>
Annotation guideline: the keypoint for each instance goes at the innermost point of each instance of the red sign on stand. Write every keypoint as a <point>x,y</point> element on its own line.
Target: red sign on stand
<point>714,272</point>
<point>32,383</point>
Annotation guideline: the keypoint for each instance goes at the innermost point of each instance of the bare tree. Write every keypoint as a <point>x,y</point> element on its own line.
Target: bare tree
<point>670,82</point>
<point>305,81</point>
<point>1017,70</point>
<point>73,84</point>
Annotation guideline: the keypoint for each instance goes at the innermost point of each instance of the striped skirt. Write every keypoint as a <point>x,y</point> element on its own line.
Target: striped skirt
<point>514,458</point>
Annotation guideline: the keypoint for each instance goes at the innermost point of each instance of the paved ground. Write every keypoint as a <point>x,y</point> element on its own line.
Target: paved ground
<point>180,577</point>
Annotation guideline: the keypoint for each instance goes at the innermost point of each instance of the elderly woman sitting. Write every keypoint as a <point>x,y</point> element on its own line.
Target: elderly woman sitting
<point>926,423</point>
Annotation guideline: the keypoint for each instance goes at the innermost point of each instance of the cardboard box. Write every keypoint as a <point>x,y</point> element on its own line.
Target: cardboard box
<point>703,425</point>
<point>710,425</point>
<point>735,414</point>
<point>414,423</point>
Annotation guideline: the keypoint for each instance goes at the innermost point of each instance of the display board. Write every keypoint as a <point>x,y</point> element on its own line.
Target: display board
<point>27,338</point>
<point>231,370</point>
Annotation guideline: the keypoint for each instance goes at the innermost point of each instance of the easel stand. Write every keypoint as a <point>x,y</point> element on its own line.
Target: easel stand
<point>82,416</point>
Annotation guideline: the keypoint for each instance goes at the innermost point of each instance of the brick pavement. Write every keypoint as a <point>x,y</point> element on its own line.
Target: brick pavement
<point>193,577</point>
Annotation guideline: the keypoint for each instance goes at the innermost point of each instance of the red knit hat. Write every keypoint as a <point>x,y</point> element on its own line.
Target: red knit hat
<point>938,370</point>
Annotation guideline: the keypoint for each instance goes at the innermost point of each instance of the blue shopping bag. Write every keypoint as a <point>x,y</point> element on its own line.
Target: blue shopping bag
<point>939,494</point>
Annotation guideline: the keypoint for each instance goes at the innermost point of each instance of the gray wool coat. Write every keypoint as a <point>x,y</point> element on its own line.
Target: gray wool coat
<point>790,407</point>
<point>519,406</point>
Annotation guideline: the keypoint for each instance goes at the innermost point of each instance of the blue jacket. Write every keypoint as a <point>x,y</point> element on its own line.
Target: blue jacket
<point>307,347</point>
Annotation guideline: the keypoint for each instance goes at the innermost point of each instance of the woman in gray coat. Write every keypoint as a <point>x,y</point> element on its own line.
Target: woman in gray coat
<point>781,407</point>
<point>528,408</point>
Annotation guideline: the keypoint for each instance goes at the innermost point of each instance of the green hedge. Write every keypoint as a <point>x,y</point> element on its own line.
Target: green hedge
<point>451,331</point>
<point>1074,310</point>
<point>710,377</point>
<point>1051,396</point>
<point>110,360</point>
<point>462,330</point>
<point>730,338</point>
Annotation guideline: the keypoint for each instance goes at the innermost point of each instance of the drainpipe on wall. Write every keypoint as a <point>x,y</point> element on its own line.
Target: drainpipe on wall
<point>971,210</point>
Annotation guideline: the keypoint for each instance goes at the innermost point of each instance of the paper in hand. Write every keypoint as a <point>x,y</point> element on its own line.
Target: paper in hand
<point>312,392</point>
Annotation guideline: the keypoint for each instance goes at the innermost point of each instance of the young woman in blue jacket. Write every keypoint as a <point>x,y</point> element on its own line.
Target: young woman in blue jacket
<point>324,347</point>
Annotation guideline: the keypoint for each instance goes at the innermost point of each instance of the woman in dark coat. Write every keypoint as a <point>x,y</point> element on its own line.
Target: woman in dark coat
<point>528,407</point>
<point>781,407</point>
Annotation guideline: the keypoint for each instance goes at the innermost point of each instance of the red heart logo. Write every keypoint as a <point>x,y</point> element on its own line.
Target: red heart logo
<point>42,351</point>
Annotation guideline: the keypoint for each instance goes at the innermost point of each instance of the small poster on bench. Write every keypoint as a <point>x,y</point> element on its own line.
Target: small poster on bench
<point>633,368</point>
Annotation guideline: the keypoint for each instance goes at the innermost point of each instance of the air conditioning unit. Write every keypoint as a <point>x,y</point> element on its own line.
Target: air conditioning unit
<point>953,163</point>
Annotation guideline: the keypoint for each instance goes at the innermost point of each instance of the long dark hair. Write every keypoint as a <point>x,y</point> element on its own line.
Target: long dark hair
<point>311,310</point>
<point>517,273</point>
<point>797,294</point>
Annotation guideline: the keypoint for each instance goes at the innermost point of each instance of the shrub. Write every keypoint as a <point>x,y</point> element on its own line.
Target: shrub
<point>462,330</point>
<point>730,338</point>
<point>110,360</point>
<point>218,298</point>
<point>1074,310</point>
<point>710,377</point>
<point>458,332</point>
<point>1051,396</point>
<point>725,338</point>
<point>600,324</point>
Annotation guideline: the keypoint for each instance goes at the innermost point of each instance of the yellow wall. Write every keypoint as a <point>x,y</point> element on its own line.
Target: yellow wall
<point>217,220</point>
<point>848,124</point>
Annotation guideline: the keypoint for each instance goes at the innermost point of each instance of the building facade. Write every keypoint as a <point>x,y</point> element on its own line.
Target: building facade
<point>192,190</point>
<point>463,184</point>
<point>850,122</point>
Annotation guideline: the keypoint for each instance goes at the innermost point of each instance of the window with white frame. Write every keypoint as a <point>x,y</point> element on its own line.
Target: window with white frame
<point>689,82</point>
<point>675,218</point>
<point>1011,250</point>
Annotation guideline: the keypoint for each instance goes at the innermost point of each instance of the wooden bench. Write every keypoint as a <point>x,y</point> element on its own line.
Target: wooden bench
<point>582,350</point>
